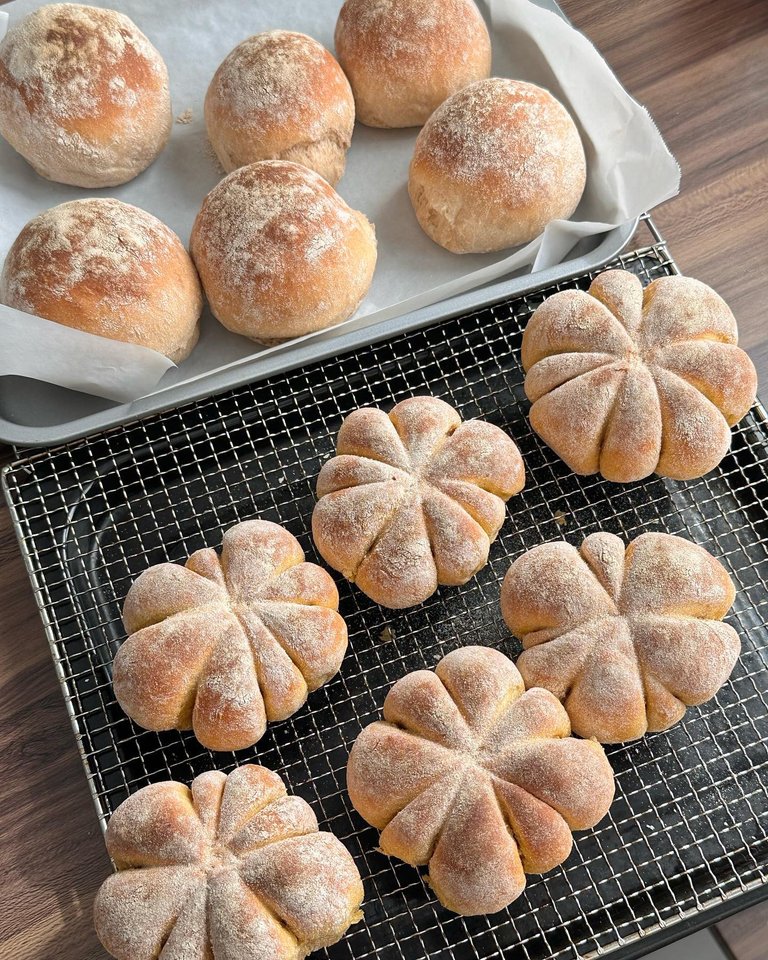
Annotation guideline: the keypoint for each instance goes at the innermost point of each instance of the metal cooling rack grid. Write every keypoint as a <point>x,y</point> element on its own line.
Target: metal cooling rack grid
<point>686,835</point>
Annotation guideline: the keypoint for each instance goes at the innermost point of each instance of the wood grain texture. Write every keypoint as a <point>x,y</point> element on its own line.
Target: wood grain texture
<point>52,856</point>
<point>745,935</point>
<point>701,67</point>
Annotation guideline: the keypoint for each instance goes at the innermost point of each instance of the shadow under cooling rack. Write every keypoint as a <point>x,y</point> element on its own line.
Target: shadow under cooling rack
<point>686,837</point>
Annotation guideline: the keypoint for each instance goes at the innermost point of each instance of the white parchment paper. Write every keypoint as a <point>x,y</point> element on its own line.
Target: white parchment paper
<point>630,170</point>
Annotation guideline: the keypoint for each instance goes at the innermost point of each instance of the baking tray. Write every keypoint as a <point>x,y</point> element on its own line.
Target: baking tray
<point>686,840</point>
<point>33,413</point>
<point>37,414</point>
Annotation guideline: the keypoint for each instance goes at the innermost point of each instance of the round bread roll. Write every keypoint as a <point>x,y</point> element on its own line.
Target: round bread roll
<point>83,95</point>
<point>281,96</point>
<point>405,57</point>
<point>494,165</point>
<point>107,268</point>
<point>279,252</point>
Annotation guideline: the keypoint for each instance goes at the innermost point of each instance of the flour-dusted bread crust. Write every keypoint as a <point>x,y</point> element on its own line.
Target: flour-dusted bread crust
<point>280,95</point>
<point>280,254</point>
<point>476,778</point>
<point>405,57</point>
<point>626,381</point>
<point>625,638</point>
<point>232,868</point>
<point>84,95</point>
<point>413,499</point>
<point>110,269</point>
<point>226,643</point>
<point>494,165</point>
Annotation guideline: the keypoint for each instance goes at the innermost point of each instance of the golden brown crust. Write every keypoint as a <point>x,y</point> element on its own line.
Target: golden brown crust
<point>281,96</point>
<point>223,645</point>
<point>279,252</point>
<point>494,165</point>
<point>230,869</point>
<point>110,269</point>
<point>83,95</point>
<point>628,382</point>
<point>477,779</point>
<point>413,499</point>
<point>625,639</point>
<point>405,57</point>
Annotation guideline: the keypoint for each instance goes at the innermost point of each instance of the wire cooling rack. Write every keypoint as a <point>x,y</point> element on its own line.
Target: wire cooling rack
<point>686,838</point>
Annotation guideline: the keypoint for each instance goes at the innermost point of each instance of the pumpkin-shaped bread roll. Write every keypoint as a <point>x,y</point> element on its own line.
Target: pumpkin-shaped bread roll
<point>413,499</point>
<point>626,381</point>
<point>476,778</point>
<point>229,869</point>
<point>226,643</point>
<point>626,638</point>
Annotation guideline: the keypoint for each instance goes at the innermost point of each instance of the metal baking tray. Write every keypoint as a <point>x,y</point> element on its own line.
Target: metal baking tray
<point>37,414</point>
<point>33,413</point>
<point>686,840</point>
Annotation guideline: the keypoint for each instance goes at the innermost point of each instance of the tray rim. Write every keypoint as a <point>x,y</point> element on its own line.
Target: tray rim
<point>636,946</point>
<point>260,368</point>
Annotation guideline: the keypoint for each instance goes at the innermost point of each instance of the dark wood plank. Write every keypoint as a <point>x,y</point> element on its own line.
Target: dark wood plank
<point>701,67</point>
<point>52,856</point>
<point>745,934</point>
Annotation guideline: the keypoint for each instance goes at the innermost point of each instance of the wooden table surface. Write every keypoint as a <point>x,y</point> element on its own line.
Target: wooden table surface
<point>701,67</point>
